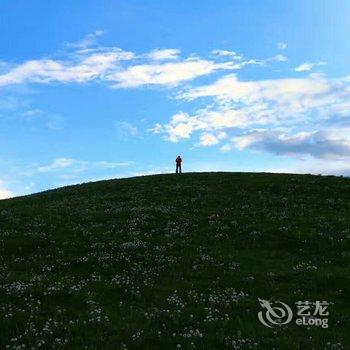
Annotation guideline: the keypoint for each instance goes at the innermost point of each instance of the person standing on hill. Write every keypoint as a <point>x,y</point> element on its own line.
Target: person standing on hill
<point>178,161</point>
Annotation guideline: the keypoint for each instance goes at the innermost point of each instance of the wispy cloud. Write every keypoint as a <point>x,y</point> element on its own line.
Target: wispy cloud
<point>87,41</point>
<point>167,74</point>
<point>305,67</point>
<point>319,144</point>
<point>126,129</point>
<point>282,116</point>
<point>55,121</point>
<point>306,116</point>
<point>4,192</point>
<point>279,58</point>
<point>286,90</point>
<point>58,163</point>
<point>153,171</point>
<point>82,68</point>
<point>164,54</point>
<point>51,120</point>
<point>227,54</point>
<point>281,45</point>
<point>210,138</point>
<point>121,69</point>
<point>76,165</point>
<point>111,165</point>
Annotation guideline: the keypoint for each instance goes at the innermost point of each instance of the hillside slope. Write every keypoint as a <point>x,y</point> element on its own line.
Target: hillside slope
<point>175,262</point>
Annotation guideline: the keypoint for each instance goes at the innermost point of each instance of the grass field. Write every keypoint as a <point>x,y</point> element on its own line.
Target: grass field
<point>175,262</point>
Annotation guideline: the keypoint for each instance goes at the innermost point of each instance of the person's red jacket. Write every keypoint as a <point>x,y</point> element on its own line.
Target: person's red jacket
<point>178,160</point>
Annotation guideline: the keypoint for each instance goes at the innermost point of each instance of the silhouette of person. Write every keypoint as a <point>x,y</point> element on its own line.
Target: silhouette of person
<point>178,161</point>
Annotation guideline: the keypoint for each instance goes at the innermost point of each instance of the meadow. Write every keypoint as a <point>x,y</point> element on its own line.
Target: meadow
<point>175,262</point>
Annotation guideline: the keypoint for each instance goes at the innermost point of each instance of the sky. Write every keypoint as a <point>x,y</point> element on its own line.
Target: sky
<point>101,89</point>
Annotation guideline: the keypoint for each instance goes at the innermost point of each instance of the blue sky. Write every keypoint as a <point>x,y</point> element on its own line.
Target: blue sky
<point>102,89</point>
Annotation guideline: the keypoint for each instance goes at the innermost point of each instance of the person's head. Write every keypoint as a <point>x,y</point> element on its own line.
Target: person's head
<point>178,157</point>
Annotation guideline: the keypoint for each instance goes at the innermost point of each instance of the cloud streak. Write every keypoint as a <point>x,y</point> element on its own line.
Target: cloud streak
<point>281,46</point>
<point>307,66</point>
<point>83,68</point>
<point>87,41</point>
<point>76,165</point>
<point>168,74</point>
<point>121,69</point>
<point>4,192</point>
<point>164,54</point>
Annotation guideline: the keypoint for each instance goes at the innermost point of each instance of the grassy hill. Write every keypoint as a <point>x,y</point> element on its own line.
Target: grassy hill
<point>175,262</point>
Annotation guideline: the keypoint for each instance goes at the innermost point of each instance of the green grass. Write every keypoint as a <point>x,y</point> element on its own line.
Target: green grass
<point>175,262</point>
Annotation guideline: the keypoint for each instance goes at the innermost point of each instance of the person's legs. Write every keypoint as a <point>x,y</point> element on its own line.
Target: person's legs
<point>180,169</point>
<point>177,168</point>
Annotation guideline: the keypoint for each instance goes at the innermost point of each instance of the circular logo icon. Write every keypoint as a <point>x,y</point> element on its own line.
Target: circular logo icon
<point>276,314</point>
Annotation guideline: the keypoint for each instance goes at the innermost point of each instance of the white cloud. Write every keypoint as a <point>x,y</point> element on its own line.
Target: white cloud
<point>164,54</point>
<point>240,62</point>
<point>153,171</point>
<point>82,69</point>
<point>168,74</point>
<point>56,164</point>
<point>87,41</point>
<point>157,129</point>
<point>111,165</point>
<point>9,103</point>
<point>311,165</point>
<point>121,69</point>
<point>227,54</point>
<point>29,187</point>
<point>279,58</point>
<point>208,139</point>
<point>242,103</point>
<point>180,127</point>
<point>226,147</point>
<point>32,113</point>
<point>221,135</point>
<point>319,144</point>
<point>55,122</point>
<point>305,67</point>
<point>231,88</point>
<point>282,107</point>
<point>125,129</point>
<point>4,192</point>
<point>77,166</point>
<point>52,121</point>
<point>232,55</point>
<point>281,45</point>
<point>305,165</point>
